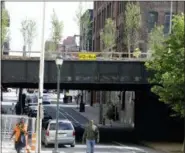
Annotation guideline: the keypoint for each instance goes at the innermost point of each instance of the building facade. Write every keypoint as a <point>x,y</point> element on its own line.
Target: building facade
<point>152,13</point>
<point>69,44</point>
<point>86,39</point>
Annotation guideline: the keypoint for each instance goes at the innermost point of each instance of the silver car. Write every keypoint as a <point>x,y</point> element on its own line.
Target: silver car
<point>66,133</point>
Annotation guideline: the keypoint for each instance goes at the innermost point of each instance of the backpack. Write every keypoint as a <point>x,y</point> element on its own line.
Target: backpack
<point>22,138</point>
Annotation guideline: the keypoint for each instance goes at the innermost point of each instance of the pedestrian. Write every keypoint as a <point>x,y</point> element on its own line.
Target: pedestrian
<point>91,136</point>
<point>13,108</point>
<point>20,132</point>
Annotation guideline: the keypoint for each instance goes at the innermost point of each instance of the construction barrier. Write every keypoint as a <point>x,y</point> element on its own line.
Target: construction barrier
<point>33,142</point>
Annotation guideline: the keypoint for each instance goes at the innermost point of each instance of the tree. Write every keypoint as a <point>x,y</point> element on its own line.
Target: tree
<point>28,30</point>
<point>108,35</point>
<point>4,25</point>
<point>167,61</point>
<point>31,33</point>
<point>132,25</point>
<point>83,22</point>
<point>56,32</point>
<point>107,43</point>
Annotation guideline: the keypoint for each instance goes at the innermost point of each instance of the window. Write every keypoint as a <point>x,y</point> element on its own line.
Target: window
<point>109,10</point>
<point>61,126</point>
<point>46,102</point>
<point>167,23</point>
<point>152,20</point>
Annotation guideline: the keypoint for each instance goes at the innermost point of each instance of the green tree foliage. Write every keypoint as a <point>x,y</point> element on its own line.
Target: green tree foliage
<point>167,61</point>
<point>78,15</point>
<point>108,34</point>
<point>56,32</point>
<point>29,31</point>
<point>4,25</point>
<point>132,25</point>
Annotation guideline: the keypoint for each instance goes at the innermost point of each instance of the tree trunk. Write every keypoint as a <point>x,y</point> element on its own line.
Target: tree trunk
<point>29,50</point>
<point>24,51</point>
<point>128,46</point>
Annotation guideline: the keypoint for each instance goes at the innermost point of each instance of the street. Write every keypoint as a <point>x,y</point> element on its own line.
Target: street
<point>68,112</point>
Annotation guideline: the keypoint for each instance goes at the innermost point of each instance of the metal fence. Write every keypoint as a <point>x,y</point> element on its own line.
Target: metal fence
<point>71,55</point>
<point>8,122</point>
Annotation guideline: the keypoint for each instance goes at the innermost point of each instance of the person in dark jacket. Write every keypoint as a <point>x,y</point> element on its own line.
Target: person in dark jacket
<point>91,136</point>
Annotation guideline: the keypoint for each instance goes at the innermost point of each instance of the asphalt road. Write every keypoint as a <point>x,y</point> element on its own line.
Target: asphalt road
<point>67,113</point>
<point>78,120</point>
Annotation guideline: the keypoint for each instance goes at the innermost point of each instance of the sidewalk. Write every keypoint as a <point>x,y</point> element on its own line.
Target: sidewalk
<point>167,147</point>
<point>92,113</point>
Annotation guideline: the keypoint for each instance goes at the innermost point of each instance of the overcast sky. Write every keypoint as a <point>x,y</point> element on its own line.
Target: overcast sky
<point>33,10</point>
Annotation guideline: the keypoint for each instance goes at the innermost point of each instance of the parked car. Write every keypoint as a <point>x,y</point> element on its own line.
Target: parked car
<point>31,98</point>
<point>32,109</point>
<point>46,115</point>
<point>66,133</point>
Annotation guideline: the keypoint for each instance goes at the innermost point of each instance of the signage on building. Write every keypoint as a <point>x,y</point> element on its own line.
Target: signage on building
<point>87,56</point>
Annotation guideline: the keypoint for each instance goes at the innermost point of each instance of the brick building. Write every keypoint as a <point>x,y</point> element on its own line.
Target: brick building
<point>157,12</point>
<point>151,12</point>
<point>69,44</point>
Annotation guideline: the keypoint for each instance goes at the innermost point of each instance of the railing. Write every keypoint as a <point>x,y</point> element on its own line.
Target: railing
<point>70,55</point>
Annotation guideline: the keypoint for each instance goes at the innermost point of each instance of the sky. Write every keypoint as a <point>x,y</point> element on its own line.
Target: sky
<point>18,11</point>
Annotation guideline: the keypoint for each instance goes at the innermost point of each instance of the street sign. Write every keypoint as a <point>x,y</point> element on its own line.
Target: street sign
<point>87,56</point>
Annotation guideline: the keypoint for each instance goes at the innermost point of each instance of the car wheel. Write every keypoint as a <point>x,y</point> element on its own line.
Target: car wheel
<point>73,145</point>
<point>45,143</point>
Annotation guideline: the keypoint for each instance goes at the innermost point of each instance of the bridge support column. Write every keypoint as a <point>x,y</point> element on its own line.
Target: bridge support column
<point>82,105</point>
<point>1,94</point>
<point>20,99</point>
<point>101,109</point>
<point>91,98</point>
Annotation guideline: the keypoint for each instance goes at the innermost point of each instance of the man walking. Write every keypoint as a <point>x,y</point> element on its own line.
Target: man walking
<point>91,136</point>
<point>20,132</point>
<point>13,108</point>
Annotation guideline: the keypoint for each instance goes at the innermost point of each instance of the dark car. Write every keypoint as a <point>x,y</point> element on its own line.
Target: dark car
<point>46,115</point>
<point>46,102</point>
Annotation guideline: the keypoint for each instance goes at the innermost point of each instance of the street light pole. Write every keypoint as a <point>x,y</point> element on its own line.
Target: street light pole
<point>59,62</point>
<point>41,85</point>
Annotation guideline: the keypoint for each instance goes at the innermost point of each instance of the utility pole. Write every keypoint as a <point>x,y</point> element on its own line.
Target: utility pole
<point>41,86</point>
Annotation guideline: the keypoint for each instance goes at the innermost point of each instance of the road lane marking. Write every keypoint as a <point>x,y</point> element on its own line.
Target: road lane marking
<point>67,114</point>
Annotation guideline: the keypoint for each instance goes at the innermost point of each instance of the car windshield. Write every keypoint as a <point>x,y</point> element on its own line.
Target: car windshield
<point>62,126</point>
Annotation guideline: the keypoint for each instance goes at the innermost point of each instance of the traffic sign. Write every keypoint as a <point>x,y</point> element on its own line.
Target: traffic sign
<point>87,56</point>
